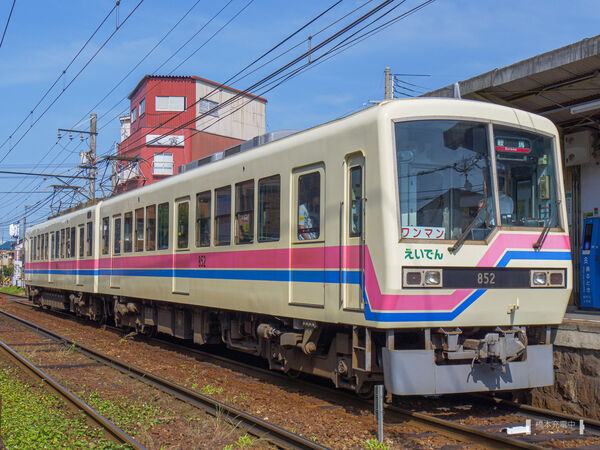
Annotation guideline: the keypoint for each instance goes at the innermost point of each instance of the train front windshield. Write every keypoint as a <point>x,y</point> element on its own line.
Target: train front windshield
<point>445,179</point>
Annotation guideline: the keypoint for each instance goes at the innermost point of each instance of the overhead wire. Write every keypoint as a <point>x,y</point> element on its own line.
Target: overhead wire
<point>7,22</point>
<point>72,81</point>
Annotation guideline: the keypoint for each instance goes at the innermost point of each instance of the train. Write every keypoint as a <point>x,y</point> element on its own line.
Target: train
<point>420,243</point>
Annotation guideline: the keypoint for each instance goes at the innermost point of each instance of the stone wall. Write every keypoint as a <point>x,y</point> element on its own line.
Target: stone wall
<point>576,387</point>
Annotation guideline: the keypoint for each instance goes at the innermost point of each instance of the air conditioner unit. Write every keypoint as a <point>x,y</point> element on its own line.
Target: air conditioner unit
<point>578,148</point>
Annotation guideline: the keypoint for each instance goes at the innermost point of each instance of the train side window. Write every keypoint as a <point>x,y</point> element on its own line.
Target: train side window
<point>356,195</point>
<point>163,226</point>
<point>90,248</point>
<point>139,230</point>
<point>105,235</point>
<point>203,219</point>
<point>223,216</point>
<point>309,206</point>
<point>117,235</point>
<point>72,254</point>
<point>127,232</point>
<point>81,241</point>
<point>269,208</point>
<point>183,224</point>
<point>34,248</point>
<point>63,243</point>
<point>68,242</point>
<point>150,228</point>
<point>244,212</point>
<point>57,244</point>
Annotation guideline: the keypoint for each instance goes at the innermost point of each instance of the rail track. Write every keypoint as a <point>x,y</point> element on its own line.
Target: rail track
<point>110,430</point>
<point>255,426</point>
<point>428,417</point>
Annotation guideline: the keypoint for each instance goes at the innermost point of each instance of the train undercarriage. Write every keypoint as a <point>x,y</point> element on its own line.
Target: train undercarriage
<point>352,357</point>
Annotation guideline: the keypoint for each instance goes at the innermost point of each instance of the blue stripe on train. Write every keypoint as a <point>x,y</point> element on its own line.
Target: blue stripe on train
<point>306,276</point>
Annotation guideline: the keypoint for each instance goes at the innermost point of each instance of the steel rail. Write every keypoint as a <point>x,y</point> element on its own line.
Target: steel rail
<point>113,432</point>
<point>255,426</point>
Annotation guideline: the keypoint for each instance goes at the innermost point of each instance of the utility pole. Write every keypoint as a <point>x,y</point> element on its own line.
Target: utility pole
<point>87,158</point>
<point>23,248</point>
<point>389,91</point>
<point>92,158</point>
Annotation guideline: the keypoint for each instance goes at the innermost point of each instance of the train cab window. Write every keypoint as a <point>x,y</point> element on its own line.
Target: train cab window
<point>244,212</point>
<point>81,241</point>
<point>203,219</point>
<point>139,230</point>
<point>183,224</point>
<point>526,178</point>
<point>223,216</point>
<point>150,228</point>
<point>63,243</point>
<point>309,206</point>
<point>444,180</point>
<point>72,254</point>
<point>163,226</point>
<point>89,241</point>
<point>356,194</point>
<point>269,208</point>
<point>117,235</point>
<point>105,235</point>
<point>127,232</point>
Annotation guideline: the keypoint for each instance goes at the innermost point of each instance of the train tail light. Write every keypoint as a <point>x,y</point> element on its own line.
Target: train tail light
<point>547,278</point>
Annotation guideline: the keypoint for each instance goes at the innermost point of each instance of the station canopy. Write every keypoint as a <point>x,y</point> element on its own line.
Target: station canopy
<point>562,85</point>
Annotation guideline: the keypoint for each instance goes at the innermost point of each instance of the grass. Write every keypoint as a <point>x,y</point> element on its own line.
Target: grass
<point>12,290</point>
<point>32,418</point>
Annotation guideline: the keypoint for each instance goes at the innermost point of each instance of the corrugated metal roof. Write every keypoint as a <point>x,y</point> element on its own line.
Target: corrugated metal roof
<point>548,84</point>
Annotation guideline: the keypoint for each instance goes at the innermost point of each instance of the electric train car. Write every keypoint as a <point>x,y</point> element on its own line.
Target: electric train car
<point>421,243</point>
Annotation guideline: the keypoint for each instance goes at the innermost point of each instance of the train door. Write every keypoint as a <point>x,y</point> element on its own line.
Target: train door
<point>353,249</point>
<point>115,260</point>
<point>308,237</point>
<point>79,254</point>
<point>181,247</point>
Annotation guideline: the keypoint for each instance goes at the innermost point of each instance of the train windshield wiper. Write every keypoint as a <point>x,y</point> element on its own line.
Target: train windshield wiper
<point>463,237</point>
<point>538,244</point>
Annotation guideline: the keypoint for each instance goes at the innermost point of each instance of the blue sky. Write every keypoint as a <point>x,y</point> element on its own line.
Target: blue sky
<point>450,40</point>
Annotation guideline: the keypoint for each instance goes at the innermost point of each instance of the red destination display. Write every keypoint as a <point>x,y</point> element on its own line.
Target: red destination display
<point>513,149</point>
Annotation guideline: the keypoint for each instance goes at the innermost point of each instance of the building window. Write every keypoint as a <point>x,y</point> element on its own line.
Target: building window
<point>162,164</point>
<point>269,208</point>
<point>223,216</point>
<point>163,226</point>
<point>170,104</point>
<point>133,115</point>
<point>203,219</point>
<point>204,106</point>
<point>150,228</point>
<point>142,108</point>
<point>244,212</point>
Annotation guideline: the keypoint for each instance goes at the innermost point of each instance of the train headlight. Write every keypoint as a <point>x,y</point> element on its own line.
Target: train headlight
<point>539,278</point>
<point>413,277</point>
<point>433,277</point>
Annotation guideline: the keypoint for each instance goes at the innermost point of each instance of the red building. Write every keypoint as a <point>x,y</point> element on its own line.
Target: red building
<point>176,120</point>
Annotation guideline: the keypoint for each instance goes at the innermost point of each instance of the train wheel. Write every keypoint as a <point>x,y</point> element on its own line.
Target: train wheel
<point>366,391</point>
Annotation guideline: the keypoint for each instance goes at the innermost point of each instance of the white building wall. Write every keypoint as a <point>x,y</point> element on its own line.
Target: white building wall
<point>590,187</point>
<point>246,123</point>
